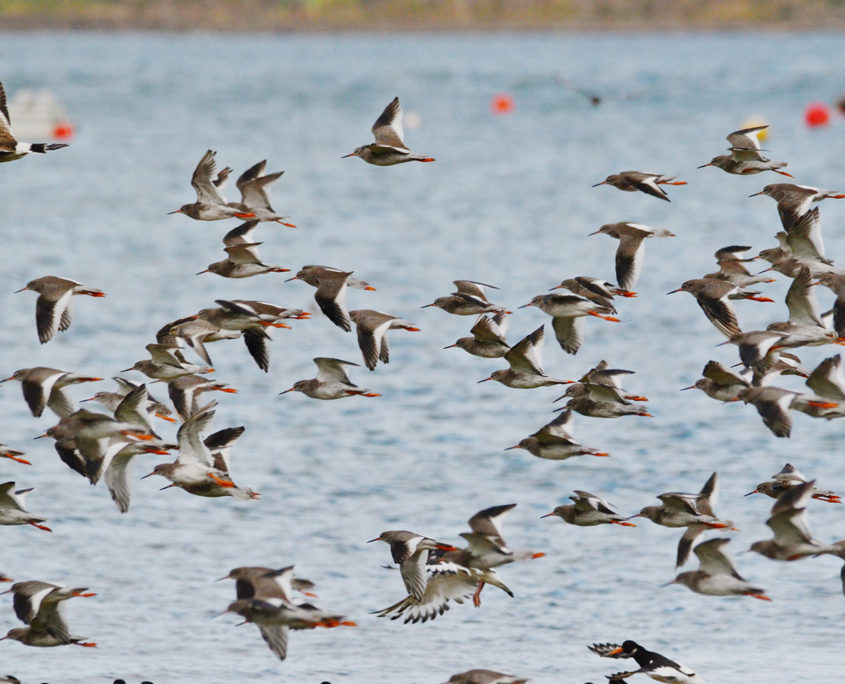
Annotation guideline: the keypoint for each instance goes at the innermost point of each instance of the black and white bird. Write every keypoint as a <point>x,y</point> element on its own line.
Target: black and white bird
<point>10,148</point>
<point>656,666</point>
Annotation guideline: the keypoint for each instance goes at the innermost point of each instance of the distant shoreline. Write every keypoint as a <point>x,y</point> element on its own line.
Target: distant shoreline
<point>415,16</point>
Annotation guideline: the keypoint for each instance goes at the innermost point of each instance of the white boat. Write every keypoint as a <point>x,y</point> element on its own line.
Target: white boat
<point>38,115</point>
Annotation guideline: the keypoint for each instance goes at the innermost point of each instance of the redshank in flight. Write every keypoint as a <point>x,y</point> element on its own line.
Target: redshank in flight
<point>388,149</point>
<point>43,386</point>
<point>52,308</point>
<point>331,382</point>
<point>372,327</point>
<point>12,511</point>
<point>331,284</point>
<point>716,575</point>
<point>630,252</point>
<point>488,337</point>
<point>745,155</point>
<point>588,510</point>
<point>210,205</point>
<point>555,441</point>
<point>649,183</point>
<point>39,605</point>
<point>469,300</point>
<point>525,361</point>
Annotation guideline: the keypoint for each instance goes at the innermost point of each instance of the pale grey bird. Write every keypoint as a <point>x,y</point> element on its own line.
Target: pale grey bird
<point>716,575</point>
<point>486,547</point>
<point>588,510</point>
<point>719,382</point>
<point>794,200</point>
<point>603,401</point>
<point>388,149</point>
<point>790,477</point>
<point>43,387</point>
<point>731,267</point>
<point>12,509</point>
<point>197,469</point>
<point>485,677</point>
<point>255,194</point>
<point>469,300</point>
<point>555,441</point>
<point>792,538</point>
<point>39,606</point>
<point>745,155</point>
<point>631,249</point>
<point>52,308</point>
<point>331,382</point>
<point>210,204</point>
<point>525,361</point>
<point>372,327</point>
<point>693,511</point>
<point>488,337</point>
<point>712,296</point>
<point>331,284</point>
<point>566,311</point>
<point>649,183</point>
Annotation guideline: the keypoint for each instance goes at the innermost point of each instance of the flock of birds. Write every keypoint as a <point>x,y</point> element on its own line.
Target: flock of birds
<point>435,574</point>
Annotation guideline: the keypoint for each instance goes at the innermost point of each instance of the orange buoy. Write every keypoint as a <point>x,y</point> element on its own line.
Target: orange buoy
<point>62,130</point>
<point>816,114</point>
<point>502,103</point>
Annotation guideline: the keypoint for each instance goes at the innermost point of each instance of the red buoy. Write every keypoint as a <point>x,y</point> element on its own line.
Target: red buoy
<point>502,103</point>
<point>62,130</point>
<point>816,114</point>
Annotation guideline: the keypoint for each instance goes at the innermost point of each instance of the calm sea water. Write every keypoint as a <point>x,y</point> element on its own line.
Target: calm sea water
<point>508,202</point>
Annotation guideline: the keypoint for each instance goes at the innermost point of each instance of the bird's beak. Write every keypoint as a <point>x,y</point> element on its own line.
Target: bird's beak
<point>370,541</point>
<point>450,346</point>
<point>148,475</point>
<point>551,514</point>
<point>485,380</point>
<point>756,193</point>
<point>674,291</point>
<point>615,651</point>
<point>753,491</point>
<point>201,272</point>
<point>178,211</point>
<point>686,388</point>
<point>515,446</point>
<point>674,581</point>
<point>289,279</point>
<point>705,165</point>
<point>525,305</point>
<point>597,184</point>
<point>595,232</point>
<point>286,391</point>
<point>21,290</point>
<point>425,306</point>
<point>351,154</point>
